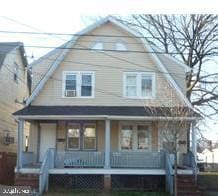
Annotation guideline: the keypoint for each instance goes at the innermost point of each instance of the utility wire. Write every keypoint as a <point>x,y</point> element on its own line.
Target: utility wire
<point>148,69</point>
<point>93,35</point>
<point>102,50</point>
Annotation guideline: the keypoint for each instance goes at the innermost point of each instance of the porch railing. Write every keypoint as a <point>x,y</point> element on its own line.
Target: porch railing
<point>189,160</point>
<point>137,160</point>
<point>27,158</point>
<point>79,159</point>
<point>44,170</point>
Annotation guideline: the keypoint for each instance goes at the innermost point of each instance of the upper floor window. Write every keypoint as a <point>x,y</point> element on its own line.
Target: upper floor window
<point>78,84</point>
<point>97,46</point>
<point>139,85</point>
<point>16,69</point>
<point>121,46</point>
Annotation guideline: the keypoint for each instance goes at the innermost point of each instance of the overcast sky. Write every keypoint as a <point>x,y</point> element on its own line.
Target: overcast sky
<point>70,16</point>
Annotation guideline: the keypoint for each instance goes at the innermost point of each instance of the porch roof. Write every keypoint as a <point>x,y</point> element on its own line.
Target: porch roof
<point>105,111</point>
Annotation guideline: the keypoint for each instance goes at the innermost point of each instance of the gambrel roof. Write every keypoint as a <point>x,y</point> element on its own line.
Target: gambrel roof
<point>163,62</point>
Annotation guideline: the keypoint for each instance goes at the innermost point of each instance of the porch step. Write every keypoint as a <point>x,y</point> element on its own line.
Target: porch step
<point>31,180</point>
<point>186,186</point>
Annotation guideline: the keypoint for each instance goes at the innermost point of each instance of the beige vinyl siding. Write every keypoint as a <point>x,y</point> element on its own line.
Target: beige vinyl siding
<point>9,92</point>
<point>109,68</point>
<point>176,71</point>
<point>39,69</point>
<point>33,138</point>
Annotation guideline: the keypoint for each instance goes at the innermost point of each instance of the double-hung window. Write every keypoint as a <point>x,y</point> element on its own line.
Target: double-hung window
<point>126,137</point>
<point>81,136</point>
<point>135,137</point>
<point>73,136</point>
<point>139,84</point>
<point>89,137</point>
<point>78,84</point>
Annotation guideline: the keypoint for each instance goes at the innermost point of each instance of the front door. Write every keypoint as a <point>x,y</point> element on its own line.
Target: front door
<point>47,138</point>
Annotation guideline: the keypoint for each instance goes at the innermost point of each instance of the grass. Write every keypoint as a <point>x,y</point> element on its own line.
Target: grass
<point>104,193</point>
<point>208,180</point>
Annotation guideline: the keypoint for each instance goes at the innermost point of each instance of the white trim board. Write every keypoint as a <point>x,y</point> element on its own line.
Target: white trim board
<point>57,62</point>
<point>126,171</point>
<point>103,171</point>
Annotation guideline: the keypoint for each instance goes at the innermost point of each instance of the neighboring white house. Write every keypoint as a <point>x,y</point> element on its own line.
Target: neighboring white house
<point>208,156</point>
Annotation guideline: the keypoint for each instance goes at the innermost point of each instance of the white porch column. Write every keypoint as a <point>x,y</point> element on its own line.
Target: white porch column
<point>194,141</point>
<point>107,143</point>
<point>20,143</point>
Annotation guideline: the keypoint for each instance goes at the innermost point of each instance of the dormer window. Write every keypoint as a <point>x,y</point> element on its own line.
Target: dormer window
<point>97,46</point>
<point>121,46</point>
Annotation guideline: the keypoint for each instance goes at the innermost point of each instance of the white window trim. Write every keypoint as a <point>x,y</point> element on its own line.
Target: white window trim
<point>93,149</point>
<point>76,149</point>
<point>135,140</point>
<point>78,83</point>
<point>96,42</point>
<point>120,42</point>
<point>138,85</point>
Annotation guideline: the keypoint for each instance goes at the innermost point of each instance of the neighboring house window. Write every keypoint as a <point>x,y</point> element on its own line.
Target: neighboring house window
<point>135,137</point>
<point>16,69</point>
<point>121,46</point>
<point>89,137</point>
<point>139,85</point>
<point>97,46</point>
<point>73,136</point>
<point>79,133</point>
<point>78,84</point>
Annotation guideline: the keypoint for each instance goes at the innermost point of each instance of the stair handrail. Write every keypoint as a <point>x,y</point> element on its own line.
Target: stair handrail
<point>194,166</point>
<point>189,160</point>
<point>169,173</point>
<point>43,174</point>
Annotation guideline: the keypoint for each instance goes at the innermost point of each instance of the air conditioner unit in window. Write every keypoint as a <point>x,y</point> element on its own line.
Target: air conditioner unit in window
<point>70,93</point>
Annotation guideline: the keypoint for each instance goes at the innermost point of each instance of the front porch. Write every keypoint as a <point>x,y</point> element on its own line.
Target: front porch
<point>53,151</point>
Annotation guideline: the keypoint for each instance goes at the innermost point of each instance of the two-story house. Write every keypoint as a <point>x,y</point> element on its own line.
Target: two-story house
<point>97,111</point>
<point>13,91</point>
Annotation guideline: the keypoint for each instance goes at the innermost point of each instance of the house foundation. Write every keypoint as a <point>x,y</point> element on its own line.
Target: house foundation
<point>107,182</point>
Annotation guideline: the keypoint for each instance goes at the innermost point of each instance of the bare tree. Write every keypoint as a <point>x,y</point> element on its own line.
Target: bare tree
<point>192,39</point>
<point>173,126</point>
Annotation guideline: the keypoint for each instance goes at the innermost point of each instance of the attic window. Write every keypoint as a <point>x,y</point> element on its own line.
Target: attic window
<point>97,46</point>
<point>121,46</point>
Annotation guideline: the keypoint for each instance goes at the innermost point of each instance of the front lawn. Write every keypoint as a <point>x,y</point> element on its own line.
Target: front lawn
<point>208,180</point>
<point>208,183</point>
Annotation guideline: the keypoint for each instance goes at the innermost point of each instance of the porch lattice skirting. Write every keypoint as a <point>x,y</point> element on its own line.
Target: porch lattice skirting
<point>80,182</point>
<point>96,182</point>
